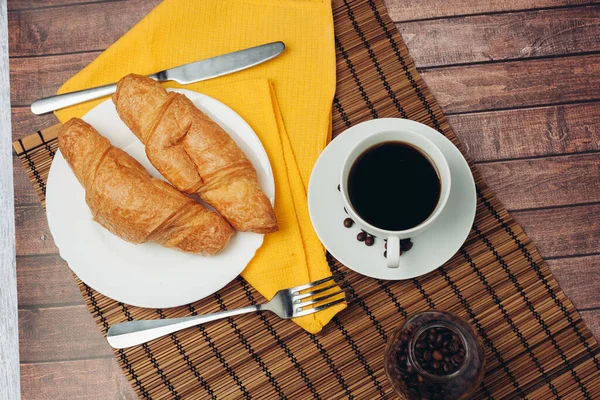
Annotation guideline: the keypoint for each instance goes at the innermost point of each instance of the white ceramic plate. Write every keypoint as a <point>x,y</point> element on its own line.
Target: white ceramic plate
<point>147,275</point>
<point>431,248</point>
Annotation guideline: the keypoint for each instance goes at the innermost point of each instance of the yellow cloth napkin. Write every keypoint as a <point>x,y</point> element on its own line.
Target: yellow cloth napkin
<point>287,101</point>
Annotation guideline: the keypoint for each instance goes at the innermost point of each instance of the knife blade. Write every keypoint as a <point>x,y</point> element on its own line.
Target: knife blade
<point>185,74</point>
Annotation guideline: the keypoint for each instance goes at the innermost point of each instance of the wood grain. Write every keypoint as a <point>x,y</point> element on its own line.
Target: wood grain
<point>45,280</point>
<point>530,132</point>
<point>579,278</point>
<point>515,84</point>
<point>24,122</point>
<point>503,36</point>
<point>425,9</point>
<point>592,320</point>
<point>561,232</point>
<point>9,342</point>
<point>35,77</point>
<point>546,182</point>
<point>33,235</point>
<point>61,333</point>
<point>24,192</point>
<point>15,5</point>
<point>70,29</point>
<point>99,379</point>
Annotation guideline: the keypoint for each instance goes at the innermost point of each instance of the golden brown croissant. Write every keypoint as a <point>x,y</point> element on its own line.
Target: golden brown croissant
<point>194,153</point>
<point>133,205</point>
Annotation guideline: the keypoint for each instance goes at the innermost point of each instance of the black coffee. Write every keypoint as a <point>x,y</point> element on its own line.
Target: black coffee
<point>393,186</point>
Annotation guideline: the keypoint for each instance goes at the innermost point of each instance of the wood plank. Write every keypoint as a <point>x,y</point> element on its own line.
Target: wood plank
<point>24,192</point>
<point>9,340</point>
<point>24,122</point>
<point>503,36</point>
<point>529,132</point>
<point>515,84</point>
<point>99,379</point>
<point>74,28</point>
<point>579,278</point>
<point>15,5</point>
<point>592,320</point>
<point>32,78</point>
<point>33,235</point>
<point>61,333</point>
<point>411,10</point>
<point>545,182</point>
<point>46,280</point>
<point>560,232</point>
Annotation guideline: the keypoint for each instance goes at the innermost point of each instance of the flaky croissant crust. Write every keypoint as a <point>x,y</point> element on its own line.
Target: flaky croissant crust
<point>133,205</point>
<point>194,153</point>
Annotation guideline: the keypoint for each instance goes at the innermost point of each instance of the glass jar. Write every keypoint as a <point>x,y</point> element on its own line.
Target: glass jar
<point>434,355</point>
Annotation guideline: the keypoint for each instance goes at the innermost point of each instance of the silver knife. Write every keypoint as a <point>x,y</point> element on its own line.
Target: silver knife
<point>184,74</point>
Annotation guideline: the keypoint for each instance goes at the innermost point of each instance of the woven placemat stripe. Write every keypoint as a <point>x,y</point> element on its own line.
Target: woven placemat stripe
<point>537,345</point>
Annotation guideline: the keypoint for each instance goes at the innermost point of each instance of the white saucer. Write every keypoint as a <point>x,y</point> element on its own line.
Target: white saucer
<point>147,275</point>
<point>431,248</point>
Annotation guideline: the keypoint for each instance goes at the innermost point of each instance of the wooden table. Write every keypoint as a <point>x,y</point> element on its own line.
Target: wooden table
<point>520,86</point>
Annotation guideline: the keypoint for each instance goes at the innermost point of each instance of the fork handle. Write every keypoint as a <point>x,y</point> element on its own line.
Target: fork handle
<point>132,333</point>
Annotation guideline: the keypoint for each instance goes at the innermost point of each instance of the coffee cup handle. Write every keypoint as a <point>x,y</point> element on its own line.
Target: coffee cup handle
<point>393,252</point>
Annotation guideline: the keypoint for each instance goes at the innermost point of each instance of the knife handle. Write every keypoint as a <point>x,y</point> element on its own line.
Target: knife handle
<point>47,104</point>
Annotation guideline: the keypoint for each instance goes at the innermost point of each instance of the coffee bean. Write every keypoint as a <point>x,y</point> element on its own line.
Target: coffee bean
<point>345,210</point>
<point>385,245</point>
<point>453,347</point>
<point>462,352</point>
<point>431,336</point>
<point>385,254</point>
<point>412,384</point>
<point>455,338</point>
<point>435,365</point>
<point>420,378</point>
<point>439,339</point>
<point>348,222</point>
<point>437,355</point>
<point>447,368</point>
<point>361,237</point>
<point>447,358</point>
<point>369,241</point>
<point>410,369</point>
<point>338,188</point>
<point>406,246</point>
<point>427,355</point>
<point>445,343</point>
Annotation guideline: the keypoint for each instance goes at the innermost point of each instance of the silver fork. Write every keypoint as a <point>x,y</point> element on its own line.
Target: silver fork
<point>287,303</point>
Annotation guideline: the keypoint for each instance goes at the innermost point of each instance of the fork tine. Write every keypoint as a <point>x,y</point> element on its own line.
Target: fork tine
<point>317,300</point>
<point>313,292</point>
<point>316,283</point>
<point>318,308</point>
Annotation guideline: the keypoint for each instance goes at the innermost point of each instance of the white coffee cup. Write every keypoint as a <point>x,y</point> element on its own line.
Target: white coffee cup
<point>435,156</point>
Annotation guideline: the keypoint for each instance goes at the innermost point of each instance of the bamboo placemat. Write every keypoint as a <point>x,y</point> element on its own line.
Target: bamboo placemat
<point>537,345</point>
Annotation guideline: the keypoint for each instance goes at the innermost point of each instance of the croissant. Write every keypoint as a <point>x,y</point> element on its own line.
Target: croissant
<point>194,153</point>
<point>133,205</point>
